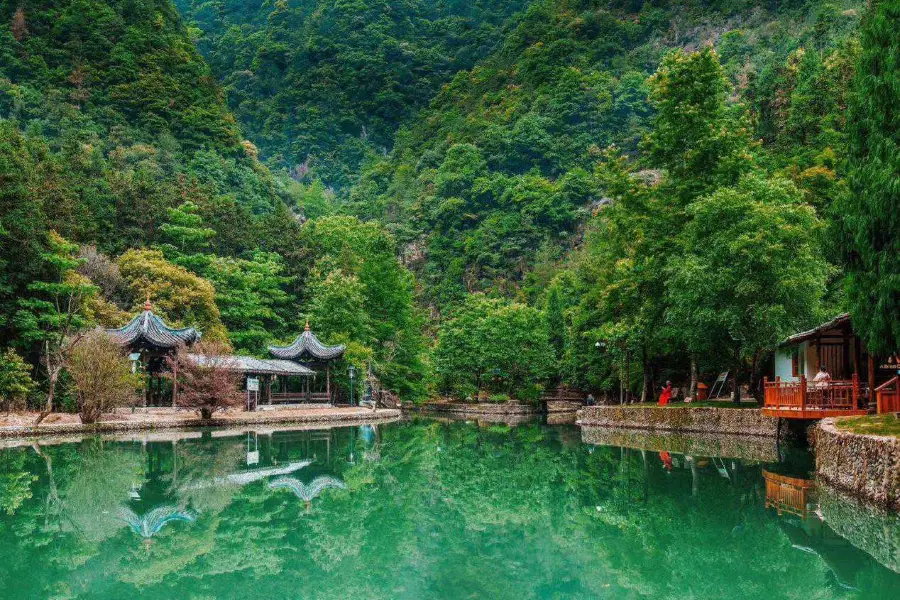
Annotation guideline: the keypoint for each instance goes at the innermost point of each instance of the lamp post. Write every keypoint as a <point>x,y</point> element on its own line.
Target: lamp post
<point>352,372</point>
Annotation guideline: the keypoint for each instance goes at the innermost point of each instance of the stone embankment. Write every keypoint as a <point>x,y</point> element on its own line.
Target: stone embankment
<point>179,420</point>
<point>734,421</point>
<point>866,467</point>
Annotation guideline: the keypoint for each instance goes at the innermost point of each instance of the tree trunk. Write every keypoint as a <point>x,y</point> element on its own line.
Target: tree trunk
<point>52,376</point>
<point>754,379</point>
<point>206,413</point>
<point>692,391</point>
<point>736,384</point>
<point>647,387</point>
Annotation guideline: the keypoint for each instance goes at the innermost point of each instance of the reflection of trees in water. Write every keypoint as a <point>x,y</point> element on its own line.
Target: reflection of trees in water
<point>452,510</point>
<point>195,464</point>
<point>152,522</point>
<point>95,480</point>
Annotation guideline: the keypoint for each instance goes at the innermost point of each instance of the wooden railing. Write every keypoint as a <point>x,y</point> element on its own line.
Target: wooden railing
<point>803,395</point>
<point>888,396</point>
<point>297,397</point>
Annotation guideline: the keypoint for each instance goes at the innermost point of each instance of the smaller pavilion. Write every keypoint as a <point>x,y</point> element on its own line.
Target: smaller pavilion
<point>266,369</point>
<point>152,340</point>
<point>310,352</point>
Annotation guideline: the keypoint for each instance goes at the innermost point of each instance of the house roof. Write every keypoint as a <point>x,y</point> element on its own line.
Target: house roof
<point>808,335</point>
<point>307,346</point>
<point>256,366</point>
<point>147,330</point>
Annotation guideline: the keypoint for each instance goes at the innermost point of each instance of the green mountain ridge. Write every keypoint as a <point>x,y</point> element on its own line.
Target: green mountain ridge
<point>530,121</point>
<point>322,85</point>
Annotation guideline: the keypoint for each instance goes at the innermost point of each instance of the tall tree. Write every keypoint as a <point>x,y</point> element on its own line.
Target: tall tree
<point>752,271</point>
<point>54,318</point>
<point>868,216</point>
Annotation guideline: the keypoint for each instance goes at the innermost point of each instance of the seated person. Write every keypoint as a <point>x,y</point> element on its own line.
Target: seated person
<point>666,394</point>
<point>822,377</point>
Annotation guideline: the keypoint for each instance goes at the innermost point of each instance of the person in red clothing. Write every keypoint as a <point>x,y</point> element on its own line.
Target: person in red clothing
<point>666,394</point>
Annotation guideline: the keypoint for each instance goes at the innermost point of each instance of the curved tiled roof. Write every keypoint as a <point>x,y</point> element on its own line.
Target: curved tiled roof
<point>148,331</point>
<point>257,366</point>
<point>307,346</point>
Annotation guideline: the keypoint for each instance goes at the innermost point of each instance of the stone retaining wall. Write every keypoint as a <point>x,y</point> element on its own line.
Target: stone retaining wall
<point>323,418</point>
<point>735,421</point>
<point>864,466</point>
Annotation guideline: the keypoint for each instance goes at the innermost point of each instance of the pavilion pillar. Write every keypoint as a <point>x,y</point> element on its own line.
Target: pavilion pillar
<point>328,381</point>
<point>174,383</point>
<point>818,355</point>
<point>871,377</point>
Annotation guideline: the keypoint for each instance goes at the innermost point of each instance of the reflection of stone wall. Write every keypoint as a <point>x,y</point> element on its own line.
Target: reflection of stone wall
<point>561,418</point>
<point>487,408</point>
<point>755,448</point>
<point>875,534</point>
<point>865,466</point>
<point>562,406</point>
<point>333,416</point>
<point>736,421</point>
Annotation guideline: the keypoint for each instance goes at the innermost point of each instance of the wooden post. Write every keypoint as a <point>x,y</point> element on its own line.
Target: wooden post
<point>846,352</point>
<point>765,391</point>
<point>871,377</point>
<point>803,392</point>
<point>855,390</point>
<point>174,383</point>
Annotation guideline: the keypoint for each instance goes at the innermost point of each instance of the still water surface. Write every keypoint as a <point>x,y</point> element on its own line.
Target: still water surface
<point>423,509</point>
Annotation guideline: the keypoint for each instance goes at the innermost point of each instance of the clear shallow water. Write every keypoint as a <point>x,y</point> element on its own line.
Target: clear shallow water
<point>423,509</point>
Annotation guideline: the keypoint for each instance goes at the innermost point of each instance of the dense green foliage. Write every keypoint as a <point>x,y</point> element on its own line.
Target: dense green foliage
<point>867,213</point>
<point>322,86</point>
<point>637,186</point>
<point>492,180</point>
<point>492,345</point>
<point>114,135</point>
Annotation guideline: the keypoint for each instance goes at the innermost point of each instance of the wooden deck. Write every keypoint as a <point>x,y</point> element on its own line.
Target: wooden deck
<point>811,400</point>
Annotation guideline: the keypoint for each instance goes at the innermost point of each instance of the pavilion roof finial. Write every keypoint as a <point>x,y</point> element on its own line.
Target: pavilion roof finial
<point>147,305</point>
<point>307,326</point>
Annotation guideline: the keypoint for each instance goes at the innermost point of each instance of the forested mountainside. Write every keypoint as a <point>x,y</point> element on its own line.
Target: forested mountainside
<point>474,196</point>
<point>321,86</point>
<point>496,175</point>
<point>123,175</point>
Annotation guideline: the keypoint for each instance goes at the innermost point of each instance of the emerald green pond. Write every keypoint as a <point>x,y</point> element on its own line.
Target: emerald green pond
<point>421,509</point>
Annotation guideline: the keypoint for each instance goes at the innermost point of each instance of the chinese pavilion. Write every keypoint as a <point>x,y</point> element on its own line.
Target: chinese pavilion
<point>148,337</point>
<point>150,341</point>
<point>311,353</point>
